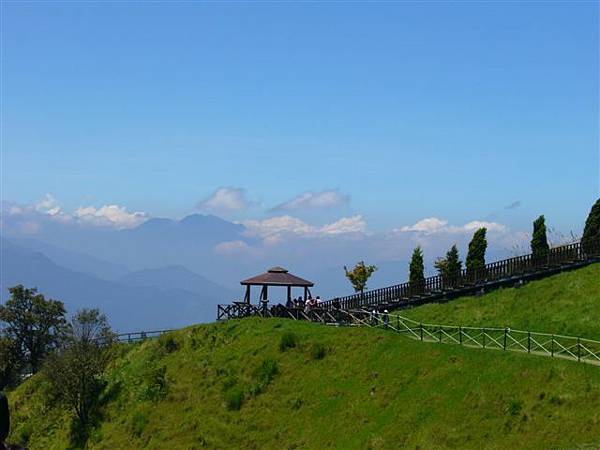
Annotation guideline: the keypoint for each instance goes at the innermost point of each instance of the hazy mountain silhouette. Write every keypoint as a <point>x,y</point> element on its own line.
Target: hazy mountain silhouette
<point>128,307</point>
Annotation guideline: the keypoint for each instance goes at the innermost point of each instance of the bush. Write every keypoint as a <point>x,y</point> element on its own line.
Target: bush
<point>515,407</point>
<point>169,343</point>
<point>288,340</point>
<point>234,399</point>
<point>139,421</point>
<point>264,374</point>
<point>318,351</point>
<point>155,383</point>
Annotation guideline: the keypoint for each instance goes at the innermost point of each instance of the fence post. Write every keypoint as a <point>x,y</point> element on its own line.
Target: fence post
<point>398,323</point>
<point>483,333</point>
<point>421,327</point>
<point>579,349</point>
<point>529,342</point>
<point>552,347</point>
<point>440,333</point>
<point>505,333</point>
<point>460,335</point>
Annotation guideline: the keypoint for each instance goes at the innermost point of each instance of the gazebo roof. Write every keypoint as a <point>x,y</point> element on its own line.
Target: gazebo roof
<point>277,276</point>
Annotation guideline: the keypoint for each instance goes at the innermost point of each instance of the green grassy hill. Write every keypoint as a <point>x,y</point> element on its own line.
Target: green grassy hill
<point>230,385</point>
<point>568,303</point>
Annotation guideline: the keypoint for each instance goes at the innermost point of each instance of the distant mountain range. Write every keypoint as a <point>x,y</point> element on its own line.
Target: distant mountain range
<point>159,298</point>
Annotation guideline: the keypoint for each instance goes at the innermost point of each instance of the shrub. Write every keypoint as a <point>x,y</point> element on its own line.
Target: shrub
<point>515,407</point>
<point>234,399</point>
<point>169,343</point>
<point>318,351</point>
<point>155,383</point>
<point>264,374</point>
<point>139,422</point>
<point>288,340</point>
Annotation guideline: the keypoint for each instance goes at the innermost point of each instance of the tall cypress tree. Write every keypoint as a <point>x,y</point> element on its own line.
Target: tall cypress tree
<point>539,241</point>
<point>590,241</point>
<point>450,267</point>
<point>417,276</point>
<point>476,256</point>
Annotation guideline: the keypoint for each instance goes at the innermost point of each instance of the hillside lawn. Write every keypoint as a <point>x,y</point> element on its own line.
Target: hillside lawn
<point>567,303</point>
<point>342,388</point>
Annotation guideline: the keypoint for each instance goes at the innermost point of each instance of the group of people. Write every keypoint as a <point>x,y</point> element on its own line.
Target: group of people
<point>300,303</point>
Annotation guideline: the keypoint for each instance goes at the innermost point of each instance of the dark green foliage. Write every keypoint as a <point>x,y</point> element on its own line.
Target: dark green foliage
<point>591,232</point>
<point>263,375</point>
<point>4,418</point>
<point>155,385</point>
<point>34,324</point>
<point>539,240</point>
<point>417,271</point>
<point>318,351</point>
<point>169,343</point>
<point>139,422</point>
<point>234,399</point>
<point>360,275</point>
<point>450,267</point>
<point>515,407</point>
<point>74,370</point>
<point>10,362</point>
<point>476,255</point>
<point>288,340</point>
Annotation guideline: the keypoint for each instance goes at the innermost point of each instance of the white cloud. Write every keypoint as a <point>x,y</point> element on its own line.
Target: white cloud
<point>231,247</point>
<point>275,229</point>
<point>314,200</point>
<point>110,215</point>
<point>429,225</point>
<point>31,217</point>
<point>432,225</point>
<point>226,199</point>
<point>48,205</point>
<point>355,224</point>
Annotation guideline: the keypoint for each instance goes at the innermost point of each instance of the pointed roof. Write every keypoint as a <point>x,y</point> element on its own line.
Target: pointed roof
<point>277,276</point>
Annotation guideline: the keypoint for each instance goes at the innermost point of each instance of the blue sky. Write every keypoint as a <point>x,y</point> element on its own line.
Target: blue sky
<point>408,110</point>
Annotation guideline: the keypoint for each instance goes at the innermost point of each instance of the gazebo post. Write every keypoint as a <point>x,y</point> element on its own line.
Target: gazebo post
<point>305,293</point>
<point>289,293</point>
<point>247,297</point>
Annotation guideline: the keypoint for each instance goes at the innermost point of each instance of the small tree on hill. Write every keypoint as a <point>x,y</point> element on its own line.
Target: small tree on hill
<point>450,267</point>
<point>417,276</point>
<point>74,370</point>
<point>539,240</point>
<point>476,255</point>
<point>34,324</point>
<point>590,241</point>
<point>359,275</point>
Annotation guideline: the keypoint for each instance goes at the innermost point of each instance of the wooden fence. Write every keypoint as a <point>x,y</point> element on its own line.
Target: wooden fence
<point>507,339</point>
<point>140,335</point>
<point>506,270</point>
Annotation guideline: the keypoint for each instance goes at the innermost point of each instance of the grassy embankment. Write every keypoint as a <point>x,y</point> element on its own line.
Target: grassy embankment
<point>229,385</point>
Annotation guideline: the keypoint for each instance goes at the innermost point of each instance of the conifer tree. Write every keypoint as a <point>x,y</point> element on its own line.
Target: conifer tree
<point>590,241</point>
<point>450,267</point>
<point>476,256</point>
<point>539,240</point>
<point>417,276</point>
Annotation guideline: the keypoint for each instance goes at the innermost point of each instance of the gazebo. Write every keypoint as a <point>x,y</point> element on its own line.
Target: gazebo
<point>277,277</point>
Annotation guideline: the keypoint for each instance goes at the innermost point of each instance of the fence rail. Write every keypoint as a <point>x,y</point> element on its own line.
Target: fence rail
<point>493,273</point>
<point>507,339</point>
<point>140,335</point>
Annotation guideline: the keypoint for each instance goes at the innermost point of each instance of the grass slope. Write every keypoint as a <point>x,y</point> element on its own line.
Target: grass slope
<point>567,303</point>
<point>368,389</point>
